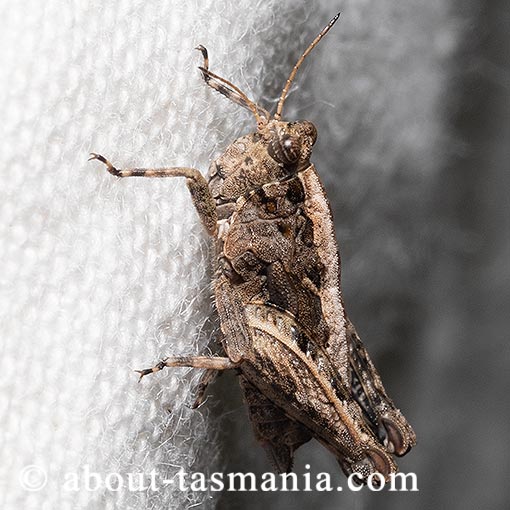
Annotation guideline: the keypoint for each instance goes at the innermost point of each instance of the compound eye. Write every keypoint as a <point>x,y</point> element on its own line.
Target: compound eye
<point>285,148</point>
<point>310,131</point>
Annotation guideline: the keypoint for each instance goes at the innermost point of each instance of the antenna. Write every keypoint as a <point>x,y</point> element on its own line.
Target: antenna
<point>288,83</point>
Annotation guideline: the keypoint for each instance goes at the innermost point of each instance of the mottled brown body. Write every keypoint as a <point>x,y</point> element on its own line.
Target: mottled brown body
<point>302,367</point>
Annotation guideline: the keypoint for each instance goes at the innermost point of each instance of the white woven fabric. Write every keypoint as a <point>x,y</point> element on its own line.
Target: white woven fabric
<point>101,276</point>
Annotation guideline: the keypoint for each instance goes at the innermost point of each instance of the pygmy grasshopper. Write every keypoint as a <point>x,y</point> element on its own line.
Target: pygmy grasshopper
<point>301,365</point>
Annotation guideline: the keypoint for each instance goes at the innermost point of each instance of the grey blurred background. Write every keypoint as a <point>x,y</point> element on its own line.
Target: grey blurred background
<point>423,224</point>
<point>412,105</point>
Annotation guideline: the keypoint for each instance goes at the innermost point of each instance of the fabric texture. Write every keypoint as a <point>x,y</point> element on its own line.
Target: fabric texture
<point>102,276</point>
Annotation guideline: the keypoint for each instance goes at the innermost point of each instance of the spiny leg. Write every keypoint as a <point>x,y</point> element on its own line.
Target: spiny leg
<point>196,182</point>
<point>208,362</point>
<point>228,89</point>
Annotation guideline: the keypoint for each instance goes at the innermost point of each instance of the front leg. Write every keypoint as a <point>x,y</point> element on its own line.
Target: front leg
<point>196,182</point>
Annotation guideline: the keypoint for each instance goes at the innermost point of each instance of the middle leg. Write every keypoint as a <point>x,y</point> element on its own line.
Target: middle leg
<point>207,362</point>
<point>196,182</point>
